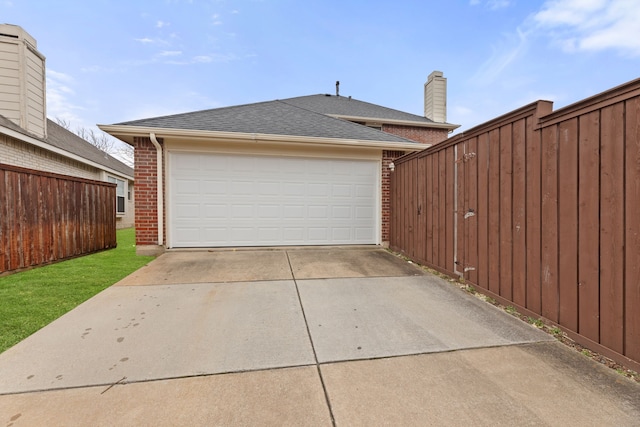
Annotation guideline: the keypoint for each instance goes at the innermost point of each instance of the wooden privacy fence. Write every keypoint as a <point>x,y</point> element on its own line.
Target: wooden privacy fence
<point>46,217</point>
<point>540,210</point>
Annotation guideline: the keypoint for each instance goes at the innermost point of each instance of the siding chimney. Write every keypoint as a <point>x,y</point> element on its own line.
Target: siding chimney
<point>435,97</point>
<point>22,80</point>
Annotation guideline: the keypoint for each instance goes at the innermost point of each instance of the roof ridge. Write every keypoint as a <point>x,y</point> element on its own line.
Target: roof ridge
<point>342,120</point>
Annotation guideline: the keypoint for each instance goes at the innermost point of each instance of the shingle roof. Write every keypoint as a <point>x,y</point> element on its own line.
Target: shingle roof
<point>312,116</point>
<point>350,107</point>
<point>280,117</point>
<point>64,139</point>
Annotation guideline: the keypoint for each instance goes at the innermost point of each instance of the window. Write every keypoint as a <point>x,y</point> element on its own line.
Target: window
<point>120,194</point>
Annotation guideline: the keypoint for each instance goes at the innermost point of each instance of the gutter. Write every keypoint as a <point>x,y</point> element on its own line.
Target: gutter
<point>127,133</point>
<point>160,193</point>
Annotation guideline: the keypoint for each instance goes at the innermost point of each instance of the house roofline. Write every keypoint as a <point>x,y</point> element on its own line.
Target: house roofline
<point>127,133</point>
<point>41,144</point>
<point>434,125</point>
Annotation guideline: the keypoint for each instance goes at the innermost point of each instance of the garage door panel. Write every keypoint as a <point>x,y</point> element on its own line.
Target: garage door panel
<point>364,212</point>
<point>269,212</point>
<point>218,211</point>
<point>246,200</point>
<point>341,212</point>
<point>268,188</point>
<point>318,212</point>
<point>242,211</point>
<point>187,211</point>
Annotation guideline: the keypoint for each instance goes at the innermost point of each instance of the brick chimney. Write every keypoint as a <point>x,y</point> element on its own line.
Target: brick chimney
<point>435,97</point>
<point>22,80</point>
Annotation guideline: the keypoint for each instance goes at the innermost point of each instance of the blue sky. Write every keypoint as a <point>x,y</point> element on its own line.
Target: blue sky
<point>113,61</point>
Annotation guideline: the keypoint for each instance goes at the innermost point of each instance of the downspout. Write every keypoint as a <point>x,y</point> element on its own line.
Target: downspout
<point>159,178</point>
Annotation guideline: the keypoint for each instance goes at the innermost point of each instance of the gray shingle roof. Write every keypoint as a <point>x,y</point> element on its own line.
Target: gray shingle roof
<point>64,139</point>
<point>300,116</point>
<point>349,107</point>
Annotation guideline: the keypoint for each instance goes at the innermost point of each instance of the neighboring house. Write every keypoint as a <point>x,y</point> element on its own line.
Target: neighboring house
<point>28,139</point>
<point>312,170</point>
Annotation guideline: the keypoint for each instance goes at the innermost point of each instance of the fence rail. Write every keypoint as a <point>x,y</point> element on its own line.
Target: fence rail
<point>46,217</point>
<point>540,210</point>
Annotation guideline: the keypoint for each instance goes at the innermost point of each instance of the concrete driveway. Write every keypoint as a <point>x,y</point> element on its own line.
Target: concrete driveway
<point>319,337</point>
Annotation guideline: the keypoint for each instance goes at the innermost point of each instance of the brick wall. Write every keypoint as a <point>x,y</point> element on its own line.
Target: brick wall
<point>387,157</point>
<point>423,135</point>
<point>19,153</point>
<point>145,177</point>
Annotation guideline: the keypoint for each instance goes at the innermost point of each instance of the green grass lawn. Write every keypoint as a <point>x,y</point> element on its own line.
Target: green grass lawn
<point>34,298</point>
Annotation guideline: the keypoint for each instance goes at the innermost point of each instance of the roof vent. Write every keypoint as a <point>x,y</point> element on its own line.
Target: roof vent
<point>338,88</point>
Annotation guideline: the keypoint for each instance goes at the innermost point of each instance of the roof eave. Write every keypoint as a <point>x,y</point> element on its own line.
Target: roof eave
<point>127,133</point>
<point>51,148</point>
<point>434,125</point>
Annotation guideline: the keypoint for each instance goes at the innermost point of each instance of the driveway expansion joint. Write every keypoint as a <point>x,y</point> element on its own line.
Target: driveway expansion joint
<point>315,356</point>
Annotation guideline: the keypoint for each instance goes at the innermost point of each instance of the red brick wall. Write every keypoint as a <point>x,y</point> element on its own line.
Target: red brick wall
<point>423,135</point>
<point>387,157</point>
<point>145,175</point>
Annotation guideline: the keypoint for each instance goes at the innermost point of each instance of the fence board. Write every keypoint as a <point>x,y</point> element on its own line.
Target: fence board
<point>519,204</point>
<point>435,208</point>
<point>472,221</point>
<point>483,211</point>
<point>450,195</point>
<point>422,215</point>
<point>415,219</point>
<point>506,212</point>
<point>612,227</point>
<point>43,217</point>
<point>549,261</point>
<point>632,231</point>
<point>589,227</point>
<point>429,210</point>
<point>534,216</point>
<point>462,204</point>
<point>494,211</point>
<point>567,224</point>
<point>442,211</point>
<point>4,227</point>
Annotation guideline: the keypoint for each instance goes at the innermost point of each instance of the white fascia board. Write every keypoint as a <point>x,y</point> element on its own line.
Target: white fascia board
<point>126,134</point>
<point>396,122</point>
<point>41,144</point>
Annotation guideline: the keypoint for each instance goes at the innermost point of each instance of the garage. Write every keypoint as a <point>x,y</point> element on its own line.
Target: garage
<point>233,200</point>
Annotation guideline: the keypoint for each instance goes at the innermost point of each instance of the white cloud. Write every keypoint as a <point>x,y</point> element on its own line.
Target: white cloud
<point>503,54</point>
<point>203,59</point>
<point>145,40</point>
<point>161,24</point>
<point>498,4</point>
<point>492,4</point>
<point>592,25</point>
<point>59,94</point>
<point>61,77</point>
<point>170,53</point>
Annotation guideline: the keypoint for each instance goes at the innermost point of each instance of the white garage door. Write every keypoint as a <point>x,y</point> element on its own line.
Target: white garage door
<point>247,200</point>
